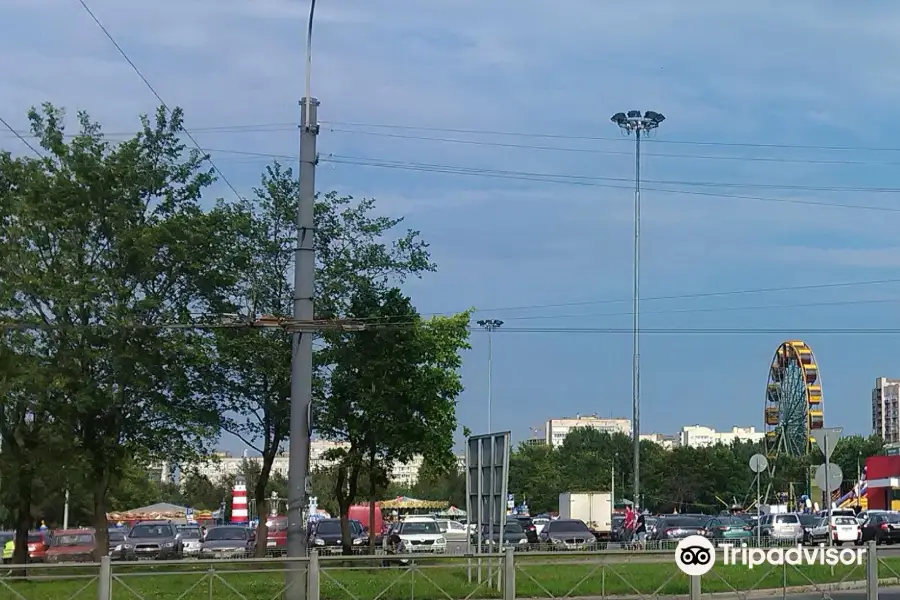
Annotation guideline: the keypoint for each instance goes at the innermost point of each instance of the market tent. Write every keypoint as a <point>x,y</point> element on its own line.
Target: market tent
<point>407,503</point>
<point>452,512</point>
<point>160,510</point>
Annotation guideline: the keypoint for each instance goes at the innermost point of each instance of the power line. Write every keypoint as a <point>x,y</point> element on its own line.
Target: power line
<point>688,183</point>
<point>710,309</point>
<point>573,180</point>
<point>614,152</point>
<point>607,138</point>
<point>21,138</point>
<point>158,97</point>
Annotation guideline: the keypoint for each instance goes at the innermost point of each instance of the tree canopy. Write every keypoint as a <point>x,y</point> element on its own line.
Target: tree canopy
<point>683,478</point>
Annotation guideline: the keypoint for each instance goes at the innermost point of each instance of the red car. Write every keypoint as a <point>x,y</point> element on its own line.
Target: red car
<point>71,545</point>
<point>38,544</point>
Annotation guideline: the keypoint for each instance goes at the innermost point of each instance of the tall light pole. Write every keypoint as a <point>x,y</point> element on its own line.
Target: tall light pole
<point>302,351</point>
<point>635,122</point>
<point>490,325</point>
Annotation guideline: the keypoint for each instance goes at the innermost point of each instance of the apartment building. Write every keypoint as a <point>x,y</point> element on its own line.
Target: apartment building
<point>224,464</point>
<point>556,430</point>
<point>699,436</point>
<point>885,400</point>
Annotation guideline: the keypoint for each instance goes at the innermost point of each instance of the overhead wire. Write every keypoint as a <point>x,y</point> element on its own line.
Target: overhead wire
<point>608,138</point>
<point>21,138</point>
<point>613,152</point>
<point>575,181</point>
<point>623,180</point>
<point>162,102</point>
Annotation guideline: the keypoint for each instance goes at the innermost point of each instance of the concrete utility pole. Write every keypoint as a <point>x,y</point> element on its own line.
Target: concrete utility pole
<point>490,325</point>
<point>637,123</point>
<point>302,351</point>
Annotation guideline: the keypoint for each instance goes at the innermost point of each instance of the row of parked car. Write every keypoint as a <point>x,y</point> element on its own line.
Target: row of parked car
<point>843,526</point>
<point>145,540</point>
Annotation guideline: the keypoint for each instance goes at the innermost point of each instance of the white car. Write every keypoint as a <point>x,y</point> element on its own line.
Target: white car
<point>453,531</point>
<point>539,524</point>
<point>841,529</point>
<point>421,534</point>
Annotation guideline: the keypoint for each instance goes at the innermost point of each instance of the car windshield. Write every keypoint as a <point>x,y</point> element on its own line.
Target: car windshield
<point>680,522</point>
<point>328,528</point>
<point>808,520</point>
<point>892,518</point>
<point>416,527</point>
<point>190,533</point>
<point>845,521</point>
<point>732,522</point>
<point>77,539</point>
<point>151,531</point>
<point>563,526</point>
<point>513,527</point>
<point>116,537</point>
<point>35,538</point>
<point>226,533</point>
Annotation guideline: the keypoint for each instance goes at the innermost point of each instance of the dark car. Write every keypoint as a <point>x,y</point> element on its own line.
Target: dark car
<point>325,535</point>
<point>155,540</point>
<point>119,546</point>
<point>677,527</point>
<point>513,535</point>
<point>567,534</point>
<point>530,529</point>
<point>228,541</point>
<point>881,527</point>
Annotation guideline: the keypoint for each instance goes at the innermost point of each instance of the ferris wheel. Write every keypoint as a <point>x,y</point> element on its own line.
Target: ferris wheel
<point>793,401</point>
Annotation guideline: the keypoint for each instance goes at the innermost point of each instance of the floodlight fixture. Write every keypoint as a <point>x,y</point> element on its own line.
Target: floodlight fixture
<point>634,121</point>
<point>490,324</point>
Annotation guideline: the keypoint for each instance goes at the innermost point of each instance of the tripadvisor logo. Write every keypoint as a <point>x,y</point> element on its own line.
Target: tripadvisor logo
<point>696,555</point>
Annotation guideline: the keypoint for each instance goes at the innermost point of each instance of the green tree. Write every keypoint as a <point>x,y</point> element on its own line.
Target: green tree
<point>104,245</point>
<point>391,390</point>
<point>353,248</point>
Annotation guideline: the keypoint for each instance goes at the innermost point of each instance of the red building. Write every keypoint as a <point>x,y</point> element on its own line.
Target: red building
<point>883,483</point>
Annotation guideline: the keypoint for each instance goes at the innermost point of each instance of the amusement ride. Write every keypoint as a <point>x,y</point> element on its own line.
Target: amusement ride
<point>793,403</point>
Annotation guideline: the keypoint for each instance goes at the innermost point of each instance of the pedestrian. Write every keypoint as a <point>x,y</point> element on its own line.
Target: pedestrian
<point>640,530</point>
<point>630,522</point>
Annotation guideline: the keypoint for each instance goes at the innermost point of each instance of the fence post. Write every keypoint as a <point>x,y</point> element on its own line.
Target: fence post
<point>312,576</point>
<point>871,571</point>
<point>509,575</point>
<point>695,587</point>
<point>104,580</point>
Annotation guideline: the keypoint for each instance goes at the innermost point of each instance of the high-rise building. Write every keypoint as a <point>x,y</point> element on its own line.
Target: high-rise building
<point>885,400</point>
<point>556,430</point>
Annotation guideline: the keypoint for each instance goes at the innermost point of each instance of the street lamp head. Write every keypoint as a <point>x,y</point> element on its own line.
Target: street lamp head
<point>481,323</point>
<point>634,114</point>
<point>619,119</point>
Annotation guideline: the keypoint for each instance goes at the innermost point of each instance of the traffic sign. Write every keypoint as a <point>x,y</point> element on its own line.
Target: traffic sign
<point>758,463</point>
<point>835,477</point>
<point>826,439</point>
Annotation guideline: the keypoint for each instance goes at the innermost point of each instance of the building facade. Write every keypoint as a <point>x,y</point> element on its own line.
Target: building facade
<point>556,430</point>
<point>699,436</point>
<point>885,400</point>
<point>224,464</point>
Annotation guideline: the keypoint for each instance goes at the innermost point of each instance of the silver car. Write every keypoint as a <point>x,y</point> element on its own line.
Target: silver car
<point>782,526</point>
<point>191,538</point>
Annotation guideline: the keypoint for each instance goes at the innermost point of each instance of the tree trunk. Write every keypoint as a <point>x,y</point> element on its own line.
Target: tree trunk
<point>101,524</point>
<point>24,483</point>
<point>262,504</point>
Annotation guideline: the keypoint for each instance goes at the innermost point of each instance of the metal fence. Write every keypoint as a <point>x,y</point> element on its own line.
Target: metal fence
<point>506,576</point>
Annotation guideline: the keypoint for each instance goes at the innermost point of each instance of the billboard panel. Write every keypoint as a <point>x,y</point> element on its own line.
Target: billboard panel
<point>487,482</point>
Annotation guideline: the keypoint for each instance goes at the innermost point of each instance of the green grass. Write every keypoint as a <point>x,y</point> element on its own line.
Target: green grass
<point>356,580</point>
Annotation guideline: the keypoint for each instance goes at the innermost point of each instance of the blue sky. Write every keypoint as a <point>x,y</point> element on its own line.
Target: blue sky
<point>740,210</point>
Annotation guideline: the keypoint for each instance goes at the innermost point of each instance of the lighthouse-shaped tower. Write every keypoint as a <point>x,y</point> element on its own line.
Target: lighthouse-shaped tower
<point>239,514</point>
